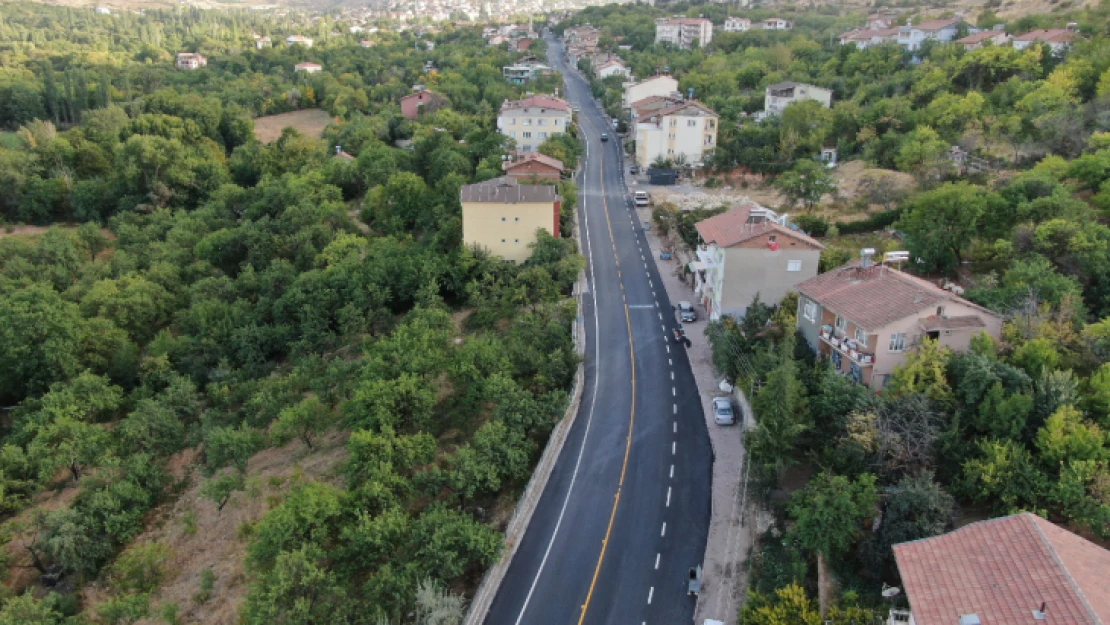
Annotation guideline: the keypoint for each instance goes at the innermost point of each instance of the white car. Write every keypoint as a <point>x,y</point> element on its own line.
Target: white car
<point>642,198</point>
<point>722,411</point>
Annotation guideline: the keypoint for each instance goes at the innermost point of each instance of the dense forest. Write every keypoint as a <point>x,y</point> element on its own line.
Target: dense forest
<point>1021,423</point>
<point>213,297</point>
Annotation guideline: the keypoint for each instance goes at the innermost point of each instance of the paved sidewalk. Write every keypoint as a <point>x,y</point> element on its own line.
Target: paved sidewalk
<point>728,545</point>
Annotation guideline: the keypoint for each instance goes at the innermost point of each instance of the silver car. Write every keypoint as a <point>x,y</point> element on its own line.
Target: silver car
<point>722,411</point>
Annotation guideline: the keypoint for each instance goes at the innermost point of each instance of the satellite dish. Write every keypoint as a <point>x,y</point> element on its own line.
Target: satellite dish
<point>891,591</point>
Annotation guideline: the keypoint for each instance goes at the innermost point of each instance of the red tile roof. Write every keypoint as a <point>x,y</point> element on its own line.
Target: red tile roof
<point>1002,570</point>
<point>737,226</point>
<point>936,24</point>
<point>539,101</point>
<point>878,296</point>
<point>981,36</point>
<point>1054,35</point>
<point>539,158</point>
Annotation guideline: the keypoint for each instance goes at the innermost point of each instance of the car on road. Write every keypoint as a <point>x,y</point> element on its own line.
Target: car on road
<point>641,198</point>
<point>604,137</point>
<point>693,582</point>
<point>722,411</point>
<point>576,109</point>
<point>633,170</point>
<point>686,312</point>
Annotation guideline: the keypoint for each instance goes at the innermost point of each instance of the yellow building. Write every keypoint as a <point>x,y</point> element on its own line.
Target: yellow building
<point>502,216</point>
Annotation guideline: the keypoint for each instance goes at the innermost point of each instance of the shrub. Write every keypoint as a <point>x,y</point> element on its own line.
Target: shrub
<point>812,225</point>
<point>875,222</point>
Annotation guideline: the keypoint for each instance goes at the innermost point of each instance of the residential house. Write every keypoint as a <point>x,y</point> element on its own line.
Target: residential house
<point>103,11</point>
<point>422,101</point>
<point>977,40</point>
<point>783,94</point>
<point>653,104</point>
<point>911,37</point>
<point>867,37</point>
<point>866,317</point>
<point>342,155</point>
<point>190,60</point>
<point>750,251</point>
<point>297,40</point>
<point>612,68</point>
<point>309,68</point>
<point>1058,39</point>
<point>687,130</point>
<point>502,216</point>
<point>776,23</point>
<point>656,85</point>
<point>522,44</point>
<point>366,43</point>
<point>533,120</point>
<point>523,72</point>
<point>737,25</point>
<point>535,166</point>
<point>879,21</point>
<point>683,32</point>
<point>263,42</point>
<point>1014,569</point>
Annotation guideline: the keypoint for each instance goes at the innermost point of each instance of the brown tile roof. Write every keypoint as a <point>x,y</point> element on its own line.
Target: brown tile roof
<point>1054,35</point>
<point>539,101</point>
<point>539,158</point>
<point>935,24</point>
<point>738,225</point>
<point>934,322</point>
<point>980,36</point>
<point>875,297</point>
<point>508,191</point>
<point>1002,570</point>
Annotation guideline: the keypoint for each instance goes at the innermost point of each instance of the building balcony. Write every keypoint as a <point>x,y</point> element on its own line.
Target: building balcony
<point>847,346</point>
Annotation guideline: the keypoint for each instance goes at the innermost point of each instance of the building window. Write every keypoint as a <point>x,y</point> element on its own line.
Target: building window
<point>898,342</point>
<point>528,122</point>
<point>504,219</point>
<point>502,240</point>
<point>543,135</point>
<point>527,135</point>
<point>708,139</point>
<point>793,265</point>
<point>670,136</point>
<point>773,238</point>
<point>691,122</point>
<point>674,122</point>
<point>512,121</point>
<point>556,122</point>
<point>810,310</point>
<point>541,122</point>
<point>861,337</point>
<point>841,323</point>
<point>512,133</point>
<point>670,151</point>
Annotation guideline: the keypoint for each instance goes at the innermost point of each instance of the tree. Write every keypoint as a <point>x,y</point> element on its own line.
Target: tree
<point>27,610</point>
<point>219,489</point>
<point>298,590</point>
<point>1067,436</point>
<point>39,336</point>
<point>829,512</point>
<point>923,371</point>
<point>806,184</point>
<point>304,420</point>
<point>791,606</point>
<point>924,154</point>
<point>70,444</point>
<point>225,446</point>
<point>918,508</point>
<point>436,606</point>
<point>941,223</point>
<point>780,411</point>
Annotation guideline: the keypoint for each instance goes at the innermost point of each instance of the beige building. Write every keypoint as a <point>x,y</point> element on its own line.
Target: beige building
<point>191,60</point>
<point>533,120</point>
<point>310,68</point>
<point>502,216</point>
<point>783,94</point>
<point>297,40</point>
<point>867,316</point>
<point>684,32</point>
<point>687,130</point>
<point>661,85</point>
<point>737,25</point>
<point>748,251</point>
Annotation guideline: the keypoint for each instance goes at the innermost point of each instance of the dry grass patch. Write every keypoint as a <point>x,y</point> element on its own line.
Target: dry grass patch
<point>309,122</point>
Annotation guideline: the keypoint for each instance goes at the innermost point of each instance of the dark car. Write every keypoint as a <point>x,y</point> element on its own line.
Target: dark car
<point>604,137</point>
<point>633,170</point>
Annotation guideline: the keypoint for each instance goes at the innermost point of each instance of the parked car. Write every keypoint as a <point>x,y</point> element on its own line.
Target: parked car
<point>641,198</point>
<point>604,137</point>
<point>722,411</point>
<point>693,581</point>
<point>686,312</point>
<point>633,170</point>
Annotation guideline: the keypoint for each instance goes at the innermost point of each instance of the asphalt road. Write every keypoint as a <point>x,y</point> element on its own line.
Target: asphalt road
<point>626,511</point>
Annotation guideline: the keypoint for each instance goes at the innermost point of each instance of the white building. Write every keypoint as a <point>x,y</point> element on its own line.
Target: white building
<point>686,130</point>
<point>297,40</point>
<point>533,120</point>
<point>867,37</point>
<point>983,37</point>
<point>612,68</point>
<point>263,42</point>
<point>1056,38</point>
<point>737,25</point>
<point>190,60</point>
<point>103,11</point>
<point>781,95</point>
<point>911,37</point>
<point>310,68</point>
<point>776,23</point>
<point>661,85</point>
<point>682,32</point>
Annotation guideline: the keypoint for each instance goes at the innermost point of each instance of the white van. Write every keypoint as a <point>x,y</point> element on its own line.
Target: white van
<point>642,198</point>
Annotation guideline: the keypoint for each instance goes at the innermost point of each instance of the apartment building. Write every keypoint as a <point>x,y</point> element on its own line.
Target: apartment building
<point>748,251</point>
<point>737,25</point>
<point>660,85</point>
<point>533,120</point>
<point>612,68</point>
<point>502,216</point>
<point>684,32</point>
<point>297,40</point>
<point>776,23</point>
<point>865,317</point>
<point>686,130</point>
<point>783,94</point>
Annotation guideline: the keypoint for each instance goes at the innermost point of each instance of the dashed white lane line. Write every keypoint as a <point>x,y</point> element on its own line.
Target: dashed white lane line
<point>668,347</point>
<point>657,562</point>
<point>672,471</point>
<point>676,409</point>
<point>672,375</point>
<point>657,304</point>
<point>663,532</point>
<point>651,592</point>
<point>652,285</point>
<point>668,496</point>
<point>672,392</point>
<point>670,362</point>
<point>673,447</point>
<point>675,428</point>
<point>660,315</point>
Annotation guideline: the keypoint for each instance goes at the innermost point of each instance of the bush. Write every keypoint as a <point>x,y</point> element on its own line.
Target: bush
<point>812,225</point>
<point>875,222</point>
<point>141,568</point>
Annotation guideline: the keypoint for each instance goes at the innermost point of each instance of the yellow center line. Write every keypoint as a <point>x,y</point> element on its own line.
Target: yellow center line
<point>631,417</point>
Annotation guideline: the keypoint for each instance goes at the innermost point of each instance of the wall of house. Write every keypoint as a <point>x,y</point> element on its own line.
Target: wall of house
<point>532,169</point>
<point>663,85</point>
<point>516,123</point>
<point>675,136</point>
<point>752,267</point>
<point>507,229</point>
